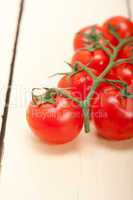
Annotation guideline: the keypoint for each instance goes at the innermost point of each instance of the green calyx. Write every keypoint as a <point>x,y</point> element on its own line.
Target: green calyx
<point>93,36</point>
<point>46,96</point>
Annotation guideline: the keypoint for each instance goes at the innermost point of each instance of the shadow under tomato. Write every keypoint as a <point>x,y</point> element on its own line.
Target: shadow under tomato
<point>61,149</point>
<point>84,142</point>
<point>117,145</point>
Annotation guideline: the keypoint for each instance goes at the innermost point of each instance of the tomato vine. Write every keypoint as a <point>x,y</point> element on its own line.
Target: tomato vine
<point>106,46</point>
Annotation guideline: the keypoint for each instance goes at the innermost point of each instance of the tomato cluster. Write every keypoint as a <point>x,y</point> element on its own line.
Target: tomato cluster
<point>59,118</point>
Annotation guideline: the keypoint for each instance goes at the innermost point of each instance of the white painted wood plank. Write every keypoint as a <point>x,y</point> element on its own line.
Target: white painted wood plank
<point>89,167</point>
<point>8,20</point>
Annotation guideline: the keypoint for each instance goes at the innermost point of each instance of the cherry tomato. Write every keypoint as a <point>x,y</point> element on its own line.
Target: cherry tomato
<point>79,83</point>
<point>56,123</point>
<point>124,72</point>
<point>126,51</point>
<point>123,26</point>
<point>84,56</point>
<point>65,82</point>
<point>80,41</point>
<point>98,58</point>
<point>113,115</point>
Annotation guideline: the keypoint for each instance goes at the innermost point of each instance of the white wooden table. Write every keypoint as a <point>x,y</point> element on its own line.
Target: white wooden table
<point>88,168</point>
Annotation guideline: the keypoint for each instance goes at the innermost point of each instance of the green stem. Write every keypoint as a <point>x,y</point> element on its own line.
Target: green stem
<point>67,95</point>
<point>114,33</point>
<point>108,68</point>
<point>86,117</point>
<point>107,43</point>
<point>105,49</point>
<point>56,74</point>
<point>86,106</point>
<point>113,57</point>
<point>128,60</point>
<point>87,70</point>
<point>98,80</point>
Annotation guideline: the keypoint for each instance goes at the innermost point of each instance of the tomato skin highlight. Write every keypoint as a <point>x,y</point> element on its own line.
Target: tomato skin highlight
<point>113,115</point>
<point>80,40</point>
<point>57,123</point>
<point>97,59</point>
<point>100,60</point>
<point>123,26</point>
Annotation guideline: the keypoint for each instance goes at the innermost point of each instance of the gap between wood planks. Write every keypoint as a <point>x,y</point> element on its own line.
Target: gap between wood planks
<point>10,80</point>
<point>129,10</point>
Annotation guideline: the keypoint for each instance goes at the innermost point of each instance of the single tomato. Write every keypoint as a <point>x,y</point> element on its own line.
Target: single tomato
<point>113,115</point>
<point>122,25</point>
<point>96,59</point>
<point>80,40</point>
<point>126,51</point>
<point>79,84</point>
<point>56,123</point>
<point>82,55</point>
<point>65,82</point>
<point>124,72</point>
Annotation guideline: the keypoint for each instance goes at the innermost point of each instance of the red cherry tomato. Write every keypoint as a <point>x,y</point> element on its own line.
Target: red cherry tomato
<point>79,83</point>
<point>65,82</point>
<point>126,51</point>
<point>124,72</point>
<point>56,123</point>
<point>113,115</point>
<point>84,56</point>
<point>98,58</point>
<point>80,40</point>
<point>123,26</point>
